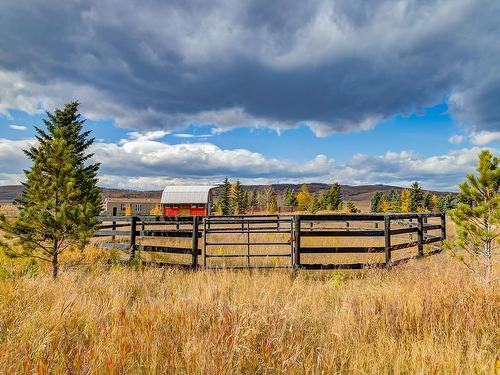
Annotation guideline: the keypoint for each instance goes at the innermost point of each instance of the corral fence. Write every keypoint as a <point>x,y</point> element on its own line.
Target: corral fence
<point>336,241</point>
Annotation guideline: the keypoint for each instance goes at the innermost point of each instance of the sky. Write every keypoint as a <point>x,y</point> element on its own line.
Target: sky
<point>359,92</point>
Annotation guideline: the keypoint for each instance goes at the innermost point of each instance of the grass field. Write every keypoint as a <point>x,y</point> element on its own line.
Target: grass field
<point>429,316</point>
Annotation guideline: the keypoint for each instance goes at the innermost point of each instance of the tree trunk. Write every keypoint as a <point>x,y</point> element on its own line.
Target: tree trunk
<point>55,264</point>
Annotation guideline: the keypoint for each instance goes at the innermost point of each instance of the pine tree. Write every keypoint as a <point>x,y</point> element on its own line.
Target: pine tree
<point>290,198</point>
<point>477,217</point>
<point>375,201</point>
<point>416,197</point>
<point>237,199</point>
<point>254,200</point>
<point>394,201</point>
<point>351,207</point>
<point>225,198</point>
<point>315,205</point>
<point>427,201</point>
<point>333,198</point>
<point>59,205</point>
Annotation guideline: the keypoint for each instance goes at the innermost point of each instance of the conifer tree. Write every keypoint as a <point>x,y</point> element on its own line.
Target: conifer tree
<point>333,198</point>
<point>394,201</point>
<point>315,205</point>
<point>225,198</point>
<point>416,197</point>
<point>427,201</point>
<point>477,217</point>
<point>237,199</point>
<point>59,205</point>
<point>351,207</point>
<point>290,198</point>
<point>254,200</point>
<point>375,201</point>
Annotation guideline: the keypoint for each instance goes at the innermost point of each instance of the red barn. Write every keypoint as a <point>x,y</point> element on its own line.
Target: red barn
<point>187,200</point>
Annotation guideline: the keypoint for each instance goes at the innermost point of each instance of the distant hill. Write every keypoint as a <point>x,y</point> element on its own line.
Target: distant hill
<point>355,193</point>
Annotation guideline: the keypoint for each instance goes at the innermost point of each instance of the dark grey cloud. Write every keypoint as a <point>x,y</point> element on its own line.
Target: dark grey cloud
<point>335,65</point>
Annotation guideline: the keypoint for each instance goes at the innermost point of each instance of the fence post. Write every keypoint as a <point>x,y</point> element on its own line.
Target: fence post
<point>420,235</point>
<point>443,226</point>
<point>205,239</point>
<point>195,243</point>
<point>387,233</point>
<point>297,241</point>
<point>133,235</point>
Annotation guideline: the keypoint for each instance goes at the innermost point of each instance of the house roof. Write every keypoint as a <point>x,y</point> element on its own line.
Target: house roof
<point>177,194</point>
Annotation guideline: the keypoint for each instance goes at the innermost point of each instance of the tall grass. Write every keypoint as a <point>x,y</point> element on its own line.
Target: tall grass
<point>429,316</point>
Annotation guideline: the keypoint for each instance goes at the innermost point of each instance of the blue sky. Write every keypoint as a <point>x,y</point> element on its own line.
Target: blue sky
<point>358,92</point>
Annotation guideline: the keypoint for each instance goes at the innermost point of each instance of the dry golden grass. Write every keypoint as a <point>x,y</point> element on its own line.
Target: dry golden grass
<point>429,316</point>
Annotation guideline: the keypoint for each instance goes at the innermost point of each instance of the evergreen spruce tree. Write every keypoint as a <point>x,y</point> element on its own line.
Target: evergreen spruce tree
<point>59,205</point>
<point>225,198</point>
<point>290,198</point>
<point>315,205</point>
<point>351,207</point>
<point>254,200</point>
<point>375,201</point>
<point>237,199</point>
<point>394,201</point>
<point>477,217</point>
<point>416,197</point>
<point>333,198</point>
<point>427,201</point>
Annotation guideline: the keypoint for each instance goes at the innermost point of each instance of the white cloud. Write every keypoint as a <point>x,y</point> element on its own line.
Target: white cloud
<point>142,163</point>
<point>18,127</point>
<point>456,139</point>
<point>484,137</point>
<point>189,136</point>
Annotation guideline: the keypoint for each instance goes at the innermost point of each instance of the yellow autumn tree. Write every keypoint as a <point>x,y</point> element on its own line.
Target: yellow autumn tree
<point>128,210</point>
<point>384,204</point>
<point>156,210</point>
<point>304,198</point>
<point>405,200</point>
<point>435,201</point>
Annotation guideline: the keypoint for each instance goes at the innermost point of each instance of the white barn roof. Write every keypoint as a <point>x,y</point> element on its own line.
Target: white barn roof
<point>185,194</point>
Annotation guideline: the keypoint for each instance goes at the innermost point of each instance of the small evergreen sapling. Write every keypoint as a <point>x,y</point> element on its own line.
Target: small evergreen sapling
<point>59,205</point>
<point>477,217</point>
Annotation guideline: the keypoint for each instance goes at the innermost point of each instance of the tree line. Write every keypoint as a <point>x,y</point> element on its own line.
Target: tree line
<point>234,200</point>
<point>411,200</point>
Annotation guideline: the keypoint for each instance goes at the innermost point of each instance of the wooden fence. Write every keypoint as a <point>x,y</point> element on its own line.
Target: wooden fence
<point>272,237</point>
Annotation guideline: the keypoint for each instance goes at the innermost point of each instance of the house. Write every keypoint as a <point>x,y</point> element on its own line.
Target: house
<point>138,206</point>
<point>193,200</point>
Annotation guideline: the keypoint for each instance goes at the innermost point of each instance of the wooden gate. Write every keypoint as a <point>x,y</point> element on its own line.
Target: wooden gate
<point>260,241</point>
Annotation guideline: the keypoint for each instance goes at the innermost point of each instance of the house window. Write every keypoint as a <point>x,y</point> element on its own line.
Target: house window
<point>123,206</point>
<point>138,207</point>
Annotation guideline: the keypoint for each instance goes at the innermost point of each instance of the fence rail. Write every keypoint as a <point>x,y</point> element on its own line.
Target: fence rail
<point>271,237</point>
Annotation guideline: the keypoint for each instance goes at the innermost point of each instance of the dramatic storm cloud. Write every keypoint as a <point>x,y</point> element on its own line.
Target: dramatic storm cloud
<point>335,65</point>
